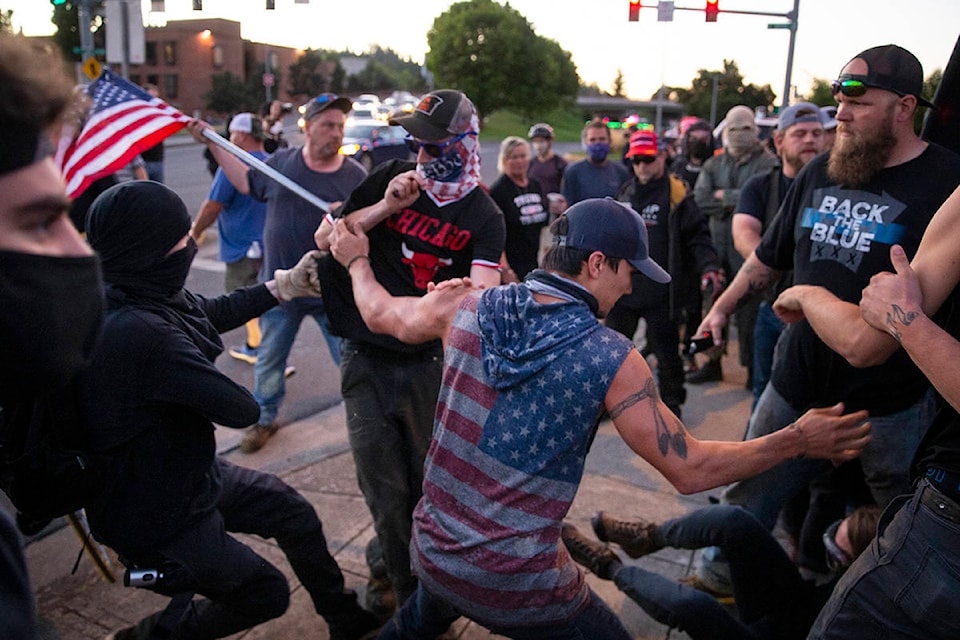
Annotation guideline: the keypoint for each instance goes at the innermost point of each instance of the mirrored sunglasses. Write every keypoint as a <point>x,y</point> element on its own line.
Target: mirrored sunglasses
<point>856,86</point>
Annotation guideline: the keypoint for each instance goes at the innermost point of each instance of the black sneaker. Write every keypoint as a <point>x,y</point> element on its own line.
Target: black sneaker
<point>599,558</point>
<point>710,372</point>
<point>634,537</point>
<point>361,626</point>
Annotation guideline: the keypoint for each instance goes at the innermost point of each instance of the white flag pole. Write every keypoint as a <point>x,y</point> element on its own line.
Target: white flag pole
<point>259,165</point>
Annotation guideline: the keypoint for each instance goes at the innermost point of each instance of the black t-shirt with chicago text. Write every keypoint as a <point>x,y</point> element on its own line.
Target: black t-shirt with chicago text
<point>420,244</point>
<point>838,238</point>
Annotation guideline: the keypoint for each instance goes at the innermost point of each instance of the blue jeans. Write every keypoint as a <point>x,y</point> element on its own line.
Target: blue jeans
<point>427,616</point>
<point>885,462</point>
<point>154,170</point>
<point>764,579</point>
<point>905,584</point>
<point>279,327</point>
<point>766,332</point>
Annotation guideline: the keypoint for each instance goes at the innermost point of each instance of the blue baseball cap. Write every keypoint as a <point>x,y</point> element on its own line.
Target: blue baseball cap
<point>615,230</point>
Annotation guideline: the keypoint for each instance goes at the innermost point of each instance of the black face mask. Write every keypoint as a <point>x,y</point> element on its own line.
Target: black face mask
<point>51,309</point>
<point>700,149</point>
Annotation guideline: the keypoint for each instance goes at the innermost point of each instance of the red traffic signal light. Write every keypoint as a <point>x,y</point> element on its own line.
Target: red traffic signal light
<point>634,10</point>
<point>712,9</point>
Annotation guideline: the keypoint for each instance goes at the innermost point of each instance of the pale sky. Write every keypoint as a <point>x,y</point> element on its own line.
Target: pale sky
<point>598,35</point>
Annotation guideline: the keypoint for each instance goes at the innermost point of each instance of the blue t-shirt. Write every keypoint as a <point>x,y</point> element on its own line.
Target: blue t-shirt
<point>240,224</point>
<point>584,180</point>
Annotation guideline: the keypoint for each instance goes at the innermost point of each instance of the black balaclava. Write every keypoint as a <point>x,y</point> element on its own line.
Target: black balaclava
<point>133,226</point>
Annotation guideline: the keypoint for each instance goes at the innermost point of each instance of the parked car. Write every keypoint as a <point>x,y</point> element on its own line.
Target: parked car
<point>371,142</point>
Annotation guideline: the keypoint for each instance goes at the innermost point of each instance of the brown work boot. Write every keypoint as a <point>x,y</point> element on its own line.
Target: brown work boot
<point>257,436</point>
<point>634,537</point>
<point>599,558</point>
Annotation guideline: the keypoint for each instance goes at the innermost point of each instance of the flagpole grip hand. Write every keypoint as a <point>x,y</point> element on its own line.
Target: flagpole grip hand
<point>196,127</point>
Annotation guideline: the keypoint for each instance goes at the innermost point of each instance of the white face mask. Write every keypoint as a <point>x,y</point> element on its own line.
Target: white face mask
<point>540,147</point>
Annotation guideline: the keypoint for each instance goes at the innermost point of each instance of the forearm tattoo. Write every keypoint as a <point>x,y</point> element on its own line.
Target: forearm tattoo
<point>897,317</point>
<point>665,439</point>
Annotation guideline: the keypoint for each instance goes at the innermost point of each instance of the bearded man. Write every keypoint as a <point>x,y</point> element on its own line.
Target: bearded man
<point>879,186</point>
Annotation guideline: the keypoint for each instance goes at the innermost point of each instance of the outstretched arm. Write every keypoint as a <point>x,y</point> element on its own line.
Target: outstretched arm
<point>753,277</point>
<point>410,319</point>
<point>691,465</point>
<point>232,166</point>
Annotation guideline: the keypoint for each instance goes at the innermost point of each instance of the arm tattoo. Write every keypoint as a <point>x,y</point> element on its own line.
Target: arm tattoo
<point>897,316</point>
<point>665,439</point>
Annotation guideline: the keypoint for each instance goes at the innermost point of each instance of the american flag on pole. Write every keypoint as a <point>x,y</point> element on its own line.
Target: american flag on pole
<point>123,121</point>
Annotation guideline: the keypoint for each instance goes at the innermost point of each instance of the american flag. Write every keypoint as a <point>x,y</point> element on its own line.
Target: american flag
<point>123,121</point>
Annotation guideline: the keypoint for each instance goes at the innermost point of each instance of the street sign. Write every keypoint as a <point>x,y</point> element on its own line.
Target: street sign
<point>92,68</point>
<point>268,79</point>
<point>777,25</point>
<point>665,11</point>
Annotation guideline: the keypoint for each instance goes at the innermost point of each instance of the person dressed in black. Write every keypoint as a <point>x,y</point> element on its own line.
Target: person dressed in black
<point>149,401</point>
<point>680,239</point>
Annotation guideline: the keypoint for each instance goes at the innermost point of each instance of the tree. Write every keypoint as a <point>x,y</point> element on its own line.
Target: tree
<point>315,72</point>
<point>490,52</point>
<point>618,84</point>
<point>730,92</point>
<point>230,94</point>
<point>6,20</point>
<point>820,93</point>
<point>66,17</point>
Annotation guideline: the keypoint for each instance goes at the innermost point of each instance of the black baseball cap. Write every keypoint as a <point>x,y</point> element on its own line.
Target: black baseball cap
<point>891,68</point>
<point>614,229</point>
<point>440,114</point>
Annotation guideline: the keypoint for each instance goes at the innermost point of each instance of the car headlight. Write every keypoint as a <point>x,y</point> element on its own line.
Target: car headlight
<point>350,149</point>
<point>302,123</point>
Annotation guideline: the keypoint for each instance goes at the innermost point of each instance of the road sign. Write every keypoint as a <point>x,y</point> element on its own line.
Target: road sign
<point>268,79</point>
<point>778,25</point>
<point>92,68</point>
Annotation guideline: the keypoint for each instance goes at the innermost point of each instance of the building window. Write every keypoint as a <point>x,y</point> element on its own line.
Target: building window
<point>170,85</point>
<point>150,54</point>
<point>135,78</point>
<point>217,55</point>
<point>170,52</point>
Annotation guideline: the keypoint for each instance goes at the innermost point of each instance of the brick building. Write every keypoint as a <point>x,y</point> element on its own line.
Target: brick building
<point>182,57</point>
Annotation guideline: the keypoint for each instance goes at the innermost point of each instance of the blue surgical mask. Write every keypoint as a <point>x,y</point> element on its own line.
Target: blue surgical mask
<point>598,151</point>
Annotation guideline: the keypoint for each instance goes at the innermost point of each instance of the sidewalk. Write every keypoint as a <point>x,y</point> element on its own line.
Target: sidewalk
<point>313,455</point>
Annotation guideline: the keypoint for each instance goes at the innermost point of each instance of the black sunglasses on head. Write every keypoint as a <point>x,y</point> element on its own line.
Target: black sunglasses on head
<point>643,159</point>
<point>854,86</point>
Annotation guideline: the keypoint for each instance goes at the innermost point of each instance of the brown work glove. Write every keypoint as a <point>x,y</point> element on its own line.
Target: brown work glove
<point>301,281</point>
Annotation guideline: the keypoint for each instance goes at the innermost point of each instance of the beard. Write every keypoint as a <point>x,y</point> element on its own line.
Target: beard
<point>856,159</point>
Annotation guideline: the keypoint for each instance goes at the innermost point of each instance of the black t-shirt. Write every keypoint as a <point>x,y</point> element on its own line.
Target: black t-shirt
<point>423,243</point>
<point>838,238</point>
<point>525,213</point>
<point>940,447</point>
<point>754,200</point>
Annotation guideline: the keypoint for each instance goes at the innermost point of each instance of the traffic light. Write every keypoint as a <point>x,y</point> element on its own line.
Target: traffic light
<point>198,5</point>
<point>634,10</point>
<point>271,5</point>
<point>712,9</point>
